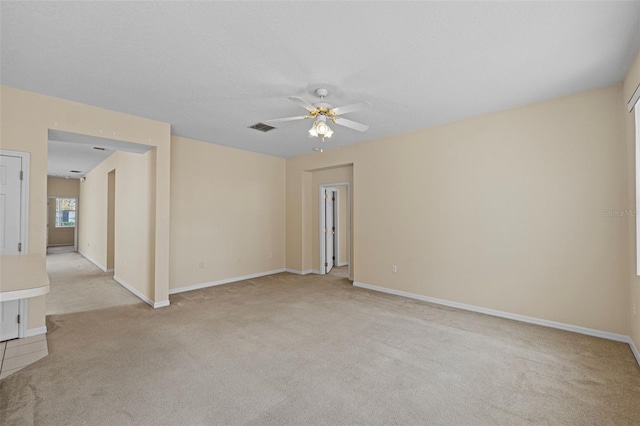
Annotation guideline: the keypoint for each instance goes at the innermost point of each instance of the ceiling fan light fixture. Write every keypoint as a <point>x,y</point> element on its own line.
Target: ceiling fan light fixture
<point>322,113</point>
<point>322,128</point>
<point>328,133</point>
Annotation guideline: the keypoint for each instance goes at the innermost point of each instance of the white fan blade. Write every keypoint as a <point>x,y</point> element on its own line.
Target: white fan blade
<point>275,120</point>
<point>350,108</point>
<point>304,104</point>
<point>351,124</point>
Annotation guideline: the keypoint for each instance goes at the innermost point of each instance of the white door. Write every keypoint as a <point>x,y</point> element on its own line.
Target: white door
<point>9,320</point>
<point>330,229</point>
<point>10,196</point>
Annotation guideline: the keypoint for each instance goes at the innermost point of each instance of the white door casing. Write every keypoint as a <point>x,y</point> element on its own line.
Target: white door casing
<point>322,220</point>
<point>14,210</point>
<point>10,204</point>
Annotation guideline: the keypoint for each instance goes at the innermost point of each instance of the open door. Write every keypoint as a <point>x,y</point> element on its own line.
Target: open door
<point>330,229</point>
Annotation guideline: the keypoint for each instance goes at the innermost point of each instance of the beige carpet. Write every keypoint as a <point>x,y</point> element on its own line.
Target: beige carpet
<point>77,285</point>
<point>312,350</point>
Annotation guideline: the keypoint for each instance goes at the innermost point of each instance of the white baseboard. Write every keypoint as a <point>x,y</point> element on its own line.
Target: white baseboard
<point>634,349</point>
<point>297,272</point>
<point>305,272</point>
<point>102,268</point>
<point>36,331</point>
<point>522,318</point>
<point>343,264</point>
<point>134,291</point>
<point>224,281</point>
<point>161,304</point>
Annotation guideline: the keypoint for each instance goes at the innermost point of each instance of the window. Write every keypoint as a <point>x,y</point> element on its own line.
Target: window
<point>65,212</point>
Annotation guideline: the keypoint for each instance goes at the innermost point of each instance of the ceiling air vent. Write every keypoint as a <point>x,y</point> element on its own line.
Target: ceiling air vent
<point>262,127</point>
<point>75,171</point>
<point>99,148</point>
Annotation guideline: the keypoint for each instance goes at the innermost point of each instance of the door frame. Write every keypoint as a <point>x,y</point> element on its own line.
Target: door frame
<point>24,227</point>
<point>322,223</point>
<point>24,196</point>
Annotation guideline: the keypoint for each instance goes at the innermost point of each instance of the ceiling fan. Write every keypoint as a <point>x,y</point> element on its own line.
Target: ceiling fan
<point>323,112</point>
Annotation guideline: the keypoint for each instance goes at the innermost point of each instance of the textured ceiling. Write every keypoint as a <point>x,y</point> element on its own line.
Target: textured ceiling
<point>212,69</point>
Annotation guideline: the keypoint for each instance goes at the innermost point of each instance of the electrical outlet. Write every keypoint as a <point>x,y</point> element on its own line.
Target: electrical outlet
<point>201,264</point>
<point>635,312</point>
<point>270,255</point>
<point>394,268</point>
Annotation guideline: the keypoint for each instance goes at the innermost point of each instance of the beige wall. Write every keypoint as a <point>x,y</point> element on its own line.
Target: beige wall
<point>59,187</point>
<point>111,219</point>
<point>504,211</point>
<point>630,84</point>
<point>24,123</point>
<point>134,224</point>
<point>92,215</point>
<point>227,213</point>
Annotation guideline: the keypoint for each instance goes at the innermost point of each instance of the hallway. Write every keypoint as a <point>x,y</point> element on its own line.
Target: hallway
<point>340,271</point>
<point>77,285</point>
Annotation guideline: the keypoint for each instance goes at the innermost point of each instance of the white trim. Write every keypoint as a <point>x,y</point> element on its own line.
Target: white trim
<point>336,225</point>
<point>24,195</point>
<point>75,227</point>
<point>305,272</point>
<point>134,291</point>
<point>322,221</point>
<point>634,99</point>
<point>102,268</point>
<point>164,304</point>
<point>36,331</point>
<point>297,272</point>
<point>226,281</point>
<point>522,318</point>
<point>23,310</point>
<point>343,264</point>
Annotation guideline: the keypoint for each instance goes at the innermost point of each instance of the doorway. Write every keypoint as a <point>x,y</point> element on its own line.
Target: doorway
<point>335,226</point>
